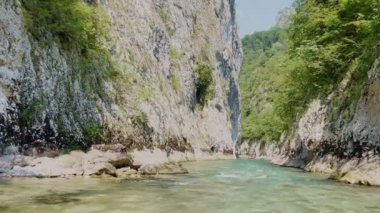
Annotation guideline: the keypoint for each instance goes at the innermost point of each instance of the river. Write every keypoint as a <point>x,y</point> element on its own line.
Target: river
<point>211,186</point>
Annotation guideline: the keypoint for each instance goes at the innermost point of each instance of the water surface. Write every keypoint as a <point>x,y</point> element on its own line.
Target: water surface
<point>211,186</point>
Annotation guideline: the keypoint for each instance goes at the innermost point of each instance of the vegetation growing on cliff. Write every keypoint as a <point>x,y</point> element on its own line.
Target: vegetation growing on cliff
<point>71,22</point>
<point>204,83</point>
<point>285,69</point>
<point>80,30</point>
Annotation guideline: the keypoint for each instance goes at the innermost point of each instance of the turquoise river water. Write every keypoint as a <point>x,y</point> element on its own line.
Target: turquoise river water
<point>212,186</point>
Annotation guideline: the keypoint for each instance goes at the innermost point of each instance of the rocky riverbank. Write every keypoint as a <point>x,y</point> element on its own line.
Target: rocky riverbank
<point>99,162</point>
<point>362,171</point>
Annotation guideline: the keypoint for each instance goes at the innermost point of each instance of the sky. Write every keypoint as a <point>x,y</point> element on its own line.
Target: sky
<point>258,15</point>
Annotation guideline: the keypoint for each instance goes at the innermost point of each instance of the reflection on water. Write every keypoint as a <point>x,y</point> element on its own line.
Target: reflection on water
<point>211,186</point>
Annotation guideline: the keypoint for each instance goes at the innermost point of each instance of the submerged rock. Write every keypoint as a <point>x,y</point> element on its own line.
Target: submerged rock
<point>166,168</point>
<point>56,198</point>
<point>3,208</point>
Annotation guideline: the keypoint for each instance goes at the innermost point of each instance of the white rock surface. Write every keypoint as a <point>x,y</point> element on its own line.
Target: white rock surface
<point>96,163</point>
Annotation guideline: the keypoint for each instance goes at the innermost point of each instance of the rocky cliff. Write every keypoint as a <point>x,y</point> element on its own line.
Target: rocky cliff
<point>158,48</point>
<point>326,141</point>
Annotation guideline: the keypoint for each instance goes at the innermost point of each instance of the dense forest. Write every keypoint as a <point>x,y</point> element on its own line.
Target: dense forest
<point>288,66</point>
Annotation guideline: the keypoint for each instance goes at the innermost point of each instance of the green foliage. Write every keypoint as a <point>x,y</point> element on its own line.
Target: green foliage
<point>72,147</point>
<point>263,41</point>
<point>29,113</point>
<point>164,12</point>
<point>92,133</point>
<point>145,94</point>
<point>176,84</point>
<point>81,31</point>
<point>204,83</point>
<point>264,67</point>
<point>204,54</point>
<point>71,22</point>
<point>78,28</point>
<point>175,58</point>
<point>165,17</point>
<point>142,118</point>
<point>174,55</point>
<point>284,70</point>
<point>333,39</point>
<point>330,35</point>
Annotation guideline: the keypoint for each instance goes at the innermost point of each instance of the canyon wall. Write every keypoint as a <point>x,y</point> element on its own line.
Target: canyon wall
<point>49,104</point>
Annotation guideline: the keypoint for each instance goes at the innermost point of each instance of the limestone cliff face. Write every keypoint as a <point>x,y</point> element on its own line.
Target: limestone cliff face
<point>347,149</point>
<point>155,45</point>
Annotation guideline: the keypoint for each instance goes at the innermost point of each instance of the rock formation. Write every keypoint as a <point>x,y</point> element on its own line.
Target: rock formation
<point>48,104</point>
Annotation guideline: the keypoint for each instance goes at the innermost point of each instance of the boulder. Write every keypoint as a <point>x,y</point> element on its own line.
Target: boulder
<point>100,169</point>
<point>96,156</point>
<point>126,172</point>
<point>166,168</point>
<point>358,177</point>
<point>122,162</point>
<point>363,172</point>
<point>118,160</point>
<point>77,163</point>
<point>5,165</point>
<point>98,162</point>
<point>65,165</point>
<point>18,171</point>
<point>119,148</point>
